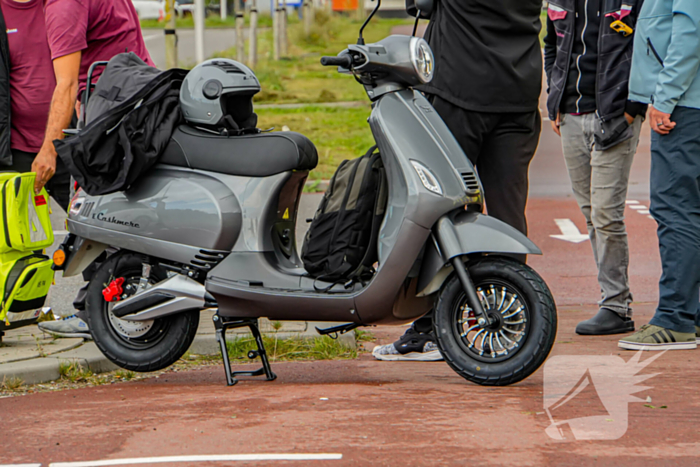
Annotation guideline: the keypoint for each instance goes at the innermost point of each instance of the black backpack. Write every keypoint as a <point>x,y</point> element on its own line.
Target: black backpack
<point>341,244</point>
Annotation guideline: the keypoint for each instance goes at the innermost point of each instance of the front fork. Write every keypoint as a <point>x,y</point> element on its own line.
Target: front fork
<point>470,290</point>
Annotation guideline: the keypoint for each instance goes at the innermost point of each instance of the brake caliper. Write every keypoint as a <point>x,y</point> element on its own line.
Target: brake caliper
<point>113,292</point>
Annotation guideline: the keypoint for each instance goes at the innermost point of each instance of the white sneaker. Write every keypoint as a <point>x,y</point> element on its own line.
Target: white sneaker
<point>71,326</point>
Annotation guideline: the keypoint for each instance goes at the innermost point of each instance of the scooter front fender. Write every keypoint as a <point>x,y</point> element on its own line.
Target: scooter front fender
<point>466,233</point>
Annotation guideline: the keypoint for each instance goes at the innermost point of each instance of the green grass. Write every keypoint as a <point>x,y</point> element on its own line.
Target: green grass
<point>299,77</point>
<point>11,384</point>
<point>213,21</point>
<point>279,350</point>
<point>338,133</point>
<point>74,372</point>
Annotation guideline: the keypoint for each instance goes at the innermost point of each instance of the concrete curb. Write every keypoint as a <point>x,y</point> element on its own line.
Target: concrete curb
<point>45,369</point>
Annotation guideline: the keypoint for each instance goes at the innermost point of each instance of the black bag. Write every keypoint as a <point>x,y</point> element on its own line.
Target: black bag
<point>341,243</point>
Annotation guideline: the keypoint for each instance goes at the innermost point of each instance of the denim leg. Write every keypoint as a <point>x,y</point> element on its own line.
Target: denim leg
<point>675,205</point>
<point>610,170</point>
<point>577,145</point>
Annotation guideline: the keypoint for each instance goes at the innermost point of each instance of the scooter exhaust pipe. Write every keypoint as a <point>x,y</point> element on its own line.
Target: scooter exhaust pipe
<point>174,295</point>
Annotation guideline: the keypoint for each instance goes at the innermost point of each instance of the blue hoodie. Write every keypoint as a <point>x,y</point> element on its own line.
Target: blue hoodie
<point>667,55</point>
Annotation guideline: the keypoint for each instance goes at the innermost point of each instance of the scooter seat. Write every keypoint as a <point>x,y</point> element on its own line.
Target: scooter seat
<point>259,155</point>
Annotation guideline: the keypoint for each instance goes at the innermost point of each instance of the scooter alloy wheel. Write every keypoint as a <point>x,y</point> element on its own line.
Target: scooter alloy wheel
<point>138,346</point>
<point>523,323</point>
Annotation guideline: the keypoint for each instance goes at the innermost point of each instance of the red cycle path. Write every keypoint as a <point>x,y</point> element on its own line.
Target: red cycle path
<point>381,413</point>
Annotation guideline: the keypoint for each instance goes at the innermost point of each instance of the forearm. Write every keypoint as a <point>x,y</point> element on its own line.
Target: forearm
<point>60,114</point>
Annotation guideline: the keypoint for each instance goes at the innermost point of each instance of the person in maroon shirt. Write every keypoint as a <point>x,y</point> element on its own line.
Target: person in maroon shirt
<point>31,83</point>
<point>81,32</point>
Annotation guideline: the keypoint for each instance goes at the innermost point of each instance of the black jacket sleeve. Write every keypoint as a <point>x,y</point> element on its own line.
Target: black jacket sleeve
<point>550,49</point>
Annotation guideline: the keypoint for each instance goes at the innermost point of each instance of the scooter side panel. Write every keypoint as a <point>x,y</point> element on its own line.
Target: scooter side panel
<point>407,128</point>
<point>169,205</point>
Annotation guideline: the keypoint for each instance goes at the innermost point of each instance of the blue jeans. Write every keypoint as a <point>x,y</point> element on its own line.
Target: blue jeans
<point>675,205</point>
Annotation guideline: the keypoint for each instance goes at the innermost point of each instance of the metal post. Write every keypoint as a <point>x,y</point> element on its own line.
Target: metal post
<point>170,35</point>
<point>224,8</point>
<point>240,40</point>
<point>199,15</point>
<point>360,9</point>
<point>253,39</point>
<point>308,12</point>
<point>276,30</point>
<point>284,47</point>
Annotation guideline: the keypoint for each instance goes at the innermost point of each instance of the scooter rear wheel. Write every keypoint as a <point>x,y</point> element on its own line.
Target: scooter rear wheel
<point>137,346</point>
<point>524,327</point>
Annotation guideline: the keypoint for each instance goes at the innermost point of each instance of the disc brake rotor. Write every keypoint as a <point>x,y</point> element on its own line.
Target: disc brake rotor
<point>126,328</point>
<point>509,316</point>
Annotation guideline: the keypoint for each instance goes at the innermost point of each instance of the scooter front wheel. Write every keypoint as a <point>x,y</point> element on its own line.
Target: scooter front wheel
<point>523,323</point>
<point>139,346</point>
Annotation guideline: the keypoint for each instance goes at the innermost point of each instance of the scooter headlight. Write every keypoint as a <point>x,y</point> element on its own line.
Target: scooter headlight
<point>429,181</point>
<point>422,59</point>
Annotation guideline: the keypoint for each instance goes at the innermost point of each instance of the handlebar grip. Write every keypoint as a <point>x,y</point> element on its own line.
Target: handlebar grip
<point>344,60</point>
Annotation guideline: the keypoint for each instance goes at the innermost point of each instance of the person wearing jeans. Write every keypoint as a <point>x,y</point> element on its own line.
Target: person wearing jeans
<point>599,128</point>
<point>665,74</point>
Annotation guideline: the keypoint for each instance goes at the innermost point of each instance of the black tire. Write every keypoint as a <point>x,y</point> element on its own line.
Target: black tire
<point>539,327</point>
<point>163,343</point>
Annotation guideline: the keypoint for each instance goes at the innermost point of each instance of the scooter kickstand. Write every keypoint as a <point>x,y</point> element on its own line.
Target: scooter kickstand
<point>221,324</point>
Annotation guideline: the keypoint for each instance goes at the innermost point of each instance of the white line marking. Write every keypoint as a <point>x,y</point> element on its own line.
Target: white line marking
<point>570,232</point>
<point>20,465</point>
<point>651,217</point>
<point>631,201</point>
<point>152,36</point>
<point>57,232</point>
<point>638,207</point>
<point>643,211</point>
<point>210,458</point>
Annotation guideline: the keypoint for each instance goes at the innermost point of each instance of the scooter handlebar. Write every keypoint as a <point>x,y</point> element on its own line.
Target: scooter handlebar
<point>344,61</point>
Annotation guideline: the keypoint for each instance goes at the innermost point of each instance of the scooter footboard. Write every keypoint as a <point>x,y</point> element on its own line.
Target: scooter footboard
<point>466,233</point>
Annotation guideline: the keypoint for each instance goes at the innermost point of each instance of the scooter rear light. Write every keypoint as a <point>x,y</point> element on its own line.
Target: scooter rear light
<point>76,203</point>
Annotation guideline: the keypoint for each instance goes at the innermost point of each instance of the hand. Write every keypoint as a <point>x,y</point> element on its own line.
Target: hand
<point>556,124</point>
<point>660,122</point>
<point>44,166</point>
<point>630,119</point>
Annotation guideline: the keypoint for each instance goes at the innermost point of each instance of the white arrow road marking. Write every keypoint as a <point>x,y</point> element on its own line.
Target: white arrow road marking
<point>631,201</point>
<point>637,206</point>
<point>212,458</point>
<point>570,232</point>
<point>20,465</point>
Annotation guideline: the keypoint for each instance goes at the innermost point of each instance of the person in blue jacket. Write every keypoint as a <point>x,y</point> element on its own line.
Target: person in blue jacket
<point>665,74</point>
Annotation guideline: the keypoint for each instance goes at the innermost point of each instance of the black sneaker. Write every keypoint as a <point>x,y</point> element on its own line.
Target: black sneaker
<point>413,346</point>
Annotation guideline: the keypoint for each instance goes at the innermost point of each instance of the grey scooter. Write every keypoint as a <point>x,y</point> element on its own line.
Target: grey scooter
<point>194,233</point>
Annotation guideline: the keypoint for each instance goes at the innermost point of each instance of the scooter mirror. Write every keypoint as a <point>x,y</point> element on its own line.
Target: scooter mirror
<point>425,7</point>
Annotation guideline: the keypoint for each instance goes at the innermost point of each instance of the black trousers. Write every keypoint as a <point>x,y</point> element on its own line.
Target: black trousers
<point>501,146</point>
<point>59,185</point>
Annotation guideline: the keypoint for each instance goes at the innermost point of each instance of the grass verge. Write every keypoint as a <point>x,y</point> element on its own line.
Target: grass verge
<point>338,133</point>
<point>299,77</point>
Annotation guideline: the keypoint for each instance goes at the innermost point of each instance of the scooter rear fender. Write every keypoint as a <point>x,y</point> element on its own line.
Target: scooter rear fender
<point>464,233</point>
<point>81,253</point>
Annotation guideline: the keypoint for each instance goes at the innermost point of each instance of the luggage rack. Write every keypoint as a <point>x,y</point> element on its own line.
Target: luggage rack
<point>223,323</point>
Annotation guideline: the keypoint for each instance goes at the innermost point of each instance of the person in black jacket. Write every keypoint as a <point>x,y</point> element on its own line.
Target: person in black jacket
<point>588,56</point>
<point>486,87</point>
